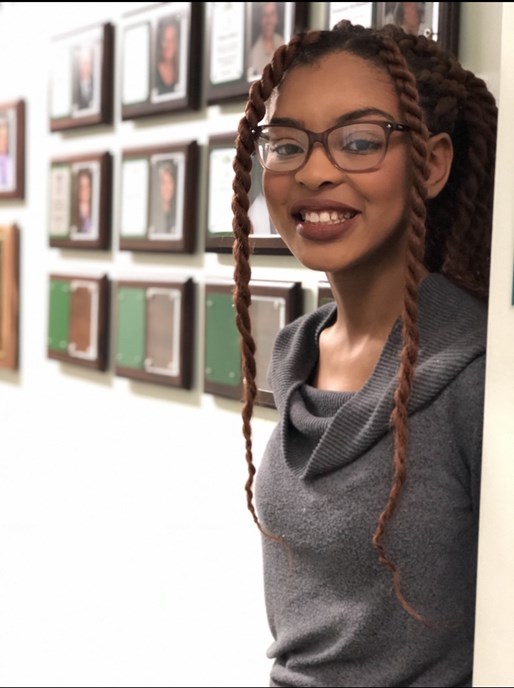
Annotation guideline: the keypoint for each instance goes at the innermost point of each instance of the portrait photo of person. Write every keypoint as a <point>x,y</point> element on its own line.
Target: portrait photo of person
<point>412,17</point>
<point>84,81</point>
<point>164,198</point>
<point>84,213</point>
<point>7,150</point>
<point>167,56</point>
<point>267,34</point>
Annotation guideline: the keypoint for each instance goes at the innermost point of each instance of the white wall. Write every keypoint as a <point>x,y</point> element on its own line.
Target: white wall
<point>494,659</point>
<point>127,556</point>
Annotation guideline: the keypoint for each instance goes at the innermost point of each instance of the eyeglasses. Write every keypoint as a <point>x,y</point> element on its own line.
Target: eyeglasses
<point>356,147</point>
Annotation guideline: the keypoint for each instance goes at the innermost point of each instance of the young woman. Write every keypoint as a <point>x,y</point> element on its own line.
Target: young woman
<point>378,157</point>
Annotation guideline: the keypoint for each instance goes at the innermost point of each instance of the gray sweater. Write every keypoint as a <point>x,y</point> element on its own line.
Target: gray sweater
<point>323,481</point>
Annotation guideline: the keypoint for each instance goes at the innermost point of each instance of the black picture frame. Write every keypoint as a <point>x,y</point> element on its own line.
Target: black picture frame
<point>155,84</point>
<point>155,331</point>
<point>12,150</point>
<point>274,304</point>
<point>148,177</point>
<point>9,296</point>
<point>78,314</point>
<point>230,36</point>
<point>81,78</point>
<point>439,20</point>
<point>218,224</point>
<point>80,201</point>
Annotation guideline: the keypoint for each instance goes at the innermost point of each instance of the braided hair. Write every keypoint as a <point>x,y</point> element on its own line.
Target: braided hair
<point>449,234</point>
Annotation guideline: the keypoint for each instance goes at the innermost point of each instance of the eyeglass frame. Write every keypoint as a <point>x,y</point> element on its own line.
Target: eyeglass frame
<point>387,125</point>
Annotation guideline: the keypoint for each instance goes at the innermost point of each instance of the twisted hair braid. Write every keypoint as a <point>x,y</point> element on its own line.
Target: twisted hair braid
<point>450,234</point>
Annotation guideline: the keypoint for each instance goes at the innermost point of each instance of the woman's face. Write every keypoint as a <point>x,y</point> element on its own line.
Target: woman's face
<point>167,186</point>
<point>169,43</point>
<point>84,189</point>
<point>366,210</point>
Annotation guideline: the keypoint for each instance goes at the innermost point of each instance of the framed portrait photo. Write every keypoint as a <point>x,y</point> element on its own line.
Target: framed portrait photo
<point>12,150</point>
<point>158,198</point>
<point>81,78</point>
<point>436,20</point>
<point>154,325</point>
<point>274,304</point>
<point>80,192</point>
<point>9,296</point>
<point>219,236</point>
<point>241,38</point>
<point>161,59</point>
<point>78,320</point>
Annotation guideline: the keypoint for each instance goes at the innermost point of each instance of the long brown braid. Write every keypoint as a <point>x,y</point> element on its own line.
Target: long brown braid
<point>450,234</point>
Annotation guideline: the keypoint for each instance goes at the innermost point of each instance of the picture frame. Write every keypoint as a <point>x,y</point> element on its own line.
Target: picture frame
<point>155,328</point>
<point>80,201</point>
<point>324,294</point>
<point>78,313</point>
<point>81,78</point>
<point>161,59</point>
<point>362,13</point>
<point>274,304</point>
<point>9,296</point>
<point>159,198</point>
<point>437,20</point>
<point>219,235</point>
<point>234,55</point>
<point>12,150</point>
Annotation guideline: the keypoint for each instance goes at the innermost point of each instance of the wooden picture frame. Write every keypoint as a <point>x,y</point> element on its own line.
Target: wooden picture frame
<point>9,296</point>
<point>154,325</point>
<point>81,78</point>
<point>161,59</point>
<point>219,235</point>
<point>12,150</point>
<point>80,201</point>
<point>232,31</point>
<point>438,20</point>
<point>274,304</point>
<point>78,315</point>
<point>159,198</point>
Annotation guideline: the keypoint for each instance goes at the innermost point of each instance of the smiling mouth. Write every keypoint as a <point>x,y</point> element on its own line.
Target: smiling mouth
<point>326,216</point>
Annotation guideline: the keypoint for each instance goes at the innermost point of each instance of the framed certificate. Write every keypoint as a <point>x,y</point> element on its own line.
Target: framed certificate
<point>159,198</point>
<point>80,190</point>
<point>274,304</point>
<point>161,59</point>
<point>241,38</point>
<point>9,296</point>
<point>78,320</point>
<point>154,325</point>
<point>12,150</point>
<point>81,78</point>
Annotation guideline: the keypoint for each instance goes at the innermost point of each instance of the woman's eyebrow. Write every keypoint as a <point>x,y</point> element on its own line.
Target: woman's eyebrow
<point>352,116</point>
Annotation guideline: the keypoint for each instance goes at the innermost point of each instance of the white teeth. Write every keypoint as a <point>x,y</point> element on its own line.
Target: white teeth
<point>326,216</point>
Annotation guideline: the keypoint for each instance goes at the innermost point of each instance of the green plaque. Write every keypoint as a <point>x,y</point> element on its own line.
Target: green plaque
<point>222,354</point>
<point>130,352</point>
<point>59,317</point>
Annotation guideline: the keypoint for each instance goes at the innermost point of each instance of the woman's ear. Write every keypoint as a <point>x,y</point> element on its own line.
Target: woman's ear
<point>440,157</point>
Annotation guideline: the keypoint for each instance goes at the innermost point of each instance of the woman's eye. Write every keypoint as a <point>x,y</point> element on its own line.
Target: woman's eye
<point>285,148</point>
<point>362,145</point>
